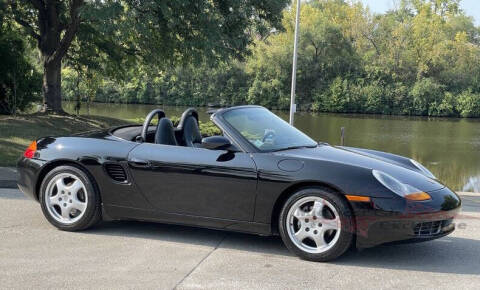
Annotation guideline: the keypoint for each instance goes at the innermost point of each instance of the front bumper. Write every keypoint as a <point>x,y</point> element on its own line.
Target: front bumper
<point>398,220</point>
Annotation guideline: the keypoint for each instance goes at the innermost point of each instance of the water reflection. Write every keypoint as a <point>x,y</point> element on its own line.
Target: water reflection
<point>449,147</point>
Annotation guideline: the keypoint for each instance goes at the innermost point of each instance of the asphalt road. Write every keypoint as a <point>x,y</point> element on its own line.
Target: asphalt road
<point>8,177</point>
<point>118,255</point>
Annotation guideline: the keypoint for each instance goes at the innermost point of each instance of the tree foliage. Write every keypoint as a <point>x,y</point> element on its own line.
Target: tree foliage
<point>19,80</point>
<point>155,32</point>
<point>420,58</point>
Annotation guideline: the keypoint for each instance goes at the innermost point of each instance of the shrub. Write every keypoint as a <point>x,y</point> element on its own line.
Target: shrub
<point>445,107</point>
<point>424,93</point>
<point>469,104</point>
<point>20,83</point>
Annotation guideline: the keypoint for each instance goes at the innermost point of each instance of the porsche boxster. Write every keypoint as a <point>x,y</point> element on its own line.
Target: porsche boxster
<point>259,176</point>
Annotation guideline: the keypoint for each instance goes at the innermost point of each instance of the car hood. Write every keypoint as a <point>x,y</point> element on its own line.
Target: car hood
<point>354,157</point>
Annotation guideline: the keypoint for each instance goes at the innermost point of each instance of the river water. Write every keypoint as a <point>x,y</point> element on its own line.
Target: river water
<point>449,147</point>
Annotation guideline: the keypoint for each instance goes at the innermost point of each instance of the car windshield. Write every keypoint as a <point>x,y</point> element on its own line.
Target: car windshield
<point>265,130</point>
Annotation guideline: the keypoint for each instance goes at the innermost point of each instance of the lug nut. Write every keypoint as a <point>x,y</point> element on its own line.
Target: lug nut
<point>314,217</point>
<point>70,201</point>
<point>307,229</point>
<point>319,224</point>
<point>60,199</point>
<point>306,220</point>
<point>315,232</point>
<point>64,204</point>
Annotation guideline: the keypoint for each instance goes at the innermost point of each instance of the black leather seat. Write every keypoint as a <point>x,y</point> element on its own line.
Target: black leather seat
<point>165,134</point>
<point>188,126</point>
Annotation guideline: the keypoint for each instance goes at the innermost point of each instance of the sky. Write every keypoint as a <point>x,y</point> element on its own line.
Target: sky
<point>470,7</point>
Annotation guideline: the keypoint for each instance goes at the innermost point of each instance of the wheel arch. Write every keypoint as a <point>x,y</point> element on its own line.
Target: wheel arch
<point>285,195</point>
<point>62,162</point>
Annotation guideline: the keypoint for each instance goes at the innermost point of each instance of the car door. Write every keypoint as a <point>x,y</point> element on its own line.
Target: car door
<point>196,181</point>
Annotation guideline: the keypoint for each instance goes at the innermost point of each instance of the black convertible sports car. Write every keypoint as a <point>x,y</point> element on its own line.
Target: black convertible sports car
<point>261,176</point>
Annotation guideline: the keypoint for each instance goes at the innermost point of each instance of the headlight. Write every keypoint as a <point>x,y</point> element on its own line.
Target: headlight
<point>423,169</point>
<point>404,190</point>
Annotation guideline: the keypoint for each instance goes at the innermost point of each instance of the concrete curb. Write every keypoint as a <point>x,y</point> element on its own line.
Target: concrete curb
<point>471,194</point>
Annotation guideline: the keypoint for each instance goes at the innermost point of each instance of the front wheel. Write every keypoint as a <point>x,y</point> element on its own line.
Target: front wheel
<point>316,224</point>
<point>69,199</point>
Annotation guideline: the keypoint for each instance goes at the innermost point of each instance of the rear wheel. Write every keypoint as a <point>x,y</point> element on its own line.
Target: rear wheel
<point>316,224</point>
<point>69,199</point>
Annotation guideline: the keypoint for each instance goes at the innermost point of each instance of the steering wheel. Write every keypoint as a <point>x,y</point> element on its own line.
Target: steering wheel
<point>268,135</point>
<point>146,124</point>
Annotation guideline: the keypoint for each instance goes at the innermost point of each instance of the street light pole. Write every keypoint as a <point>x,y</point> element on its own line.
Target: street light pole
<point>293,106</point>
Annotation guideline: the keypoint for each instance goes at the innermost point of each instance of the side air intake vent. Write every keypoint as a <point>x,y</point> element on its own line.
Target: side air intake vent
<point>116,172</point>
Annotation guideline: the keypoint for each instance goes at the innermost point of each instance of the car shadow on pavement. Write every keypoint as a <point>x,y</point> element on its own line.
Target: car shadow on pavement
<point>192,235</point>
<point>446,255</point>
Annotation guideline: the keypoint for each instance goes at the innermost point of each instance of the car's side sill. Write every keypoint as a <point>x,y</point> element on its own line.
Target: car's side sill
<point>127,213</point>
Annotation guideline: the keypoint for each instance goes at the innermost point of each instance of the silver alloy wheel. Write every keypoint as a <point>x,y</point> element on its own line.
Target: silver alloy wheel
<point>66,198</point>
<point>313,224</point>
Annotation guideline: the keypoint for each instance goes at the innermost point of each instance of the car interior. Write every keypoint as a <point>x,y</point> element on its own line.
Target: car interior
<point>187,132</point>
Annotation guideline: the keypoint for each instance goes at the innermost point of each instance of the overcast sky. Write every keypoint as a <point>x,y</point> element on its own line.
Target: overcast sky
<point>471,7</point>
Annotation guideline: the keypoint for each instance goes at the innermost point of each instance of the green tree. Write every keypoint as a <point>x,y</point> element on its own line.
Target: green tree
<point>421,58</point>
<point>324,54</point>
<point>163,32</point>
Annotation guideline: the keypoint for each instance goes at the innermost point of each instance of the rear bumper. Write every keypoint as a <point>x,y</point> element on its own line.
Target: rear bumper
<point>28,170</point>
<point>398,221</point>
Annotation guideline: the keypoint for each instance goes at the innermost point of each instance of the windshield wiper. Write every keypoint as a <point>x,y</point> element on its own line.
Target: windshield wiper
<point>295,147</point>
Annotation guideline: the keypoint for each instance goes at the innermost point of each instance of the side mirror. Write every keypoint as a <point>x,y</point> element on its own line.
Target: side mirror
<point>218,143</point>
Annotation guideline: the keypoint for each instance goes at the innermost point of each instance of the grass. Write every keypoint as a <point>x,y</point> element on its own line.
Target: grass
<point>17,133</point>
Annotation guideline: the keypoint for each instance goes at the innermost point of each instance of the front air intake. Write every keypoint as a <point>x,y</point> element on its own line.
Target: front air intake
<point>116,172</point>
<point>431,228</point>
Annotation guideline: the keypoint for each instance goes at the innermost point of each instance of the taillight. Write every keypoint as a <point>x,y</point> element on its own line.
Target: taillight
<point>30,152</point>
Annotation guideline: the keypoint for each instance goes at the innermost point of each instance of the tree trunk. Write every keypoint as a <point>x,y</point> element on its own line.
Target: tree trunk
<point>52,92</point>
<point>54,34</point>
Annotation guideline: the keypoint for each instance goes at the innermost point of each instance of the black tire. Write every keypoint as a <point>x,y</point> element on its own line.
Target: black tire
<point>346,236</point>
<point>93,211</point>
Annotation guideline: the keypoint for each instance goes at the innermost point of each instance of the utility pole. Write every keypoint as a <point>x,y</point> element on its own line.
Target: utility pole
<point>293,106</point>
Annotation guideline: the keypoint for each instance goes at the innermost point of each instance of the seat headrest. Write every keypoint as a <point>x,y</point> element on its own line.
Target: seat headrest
<point>165,134</point>
<point>191,132</point>
<point>188,112</point>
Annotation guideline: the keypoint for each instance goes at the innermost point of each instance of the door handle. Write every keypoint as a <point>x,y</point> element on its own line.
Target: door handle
<point>136,162</point>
